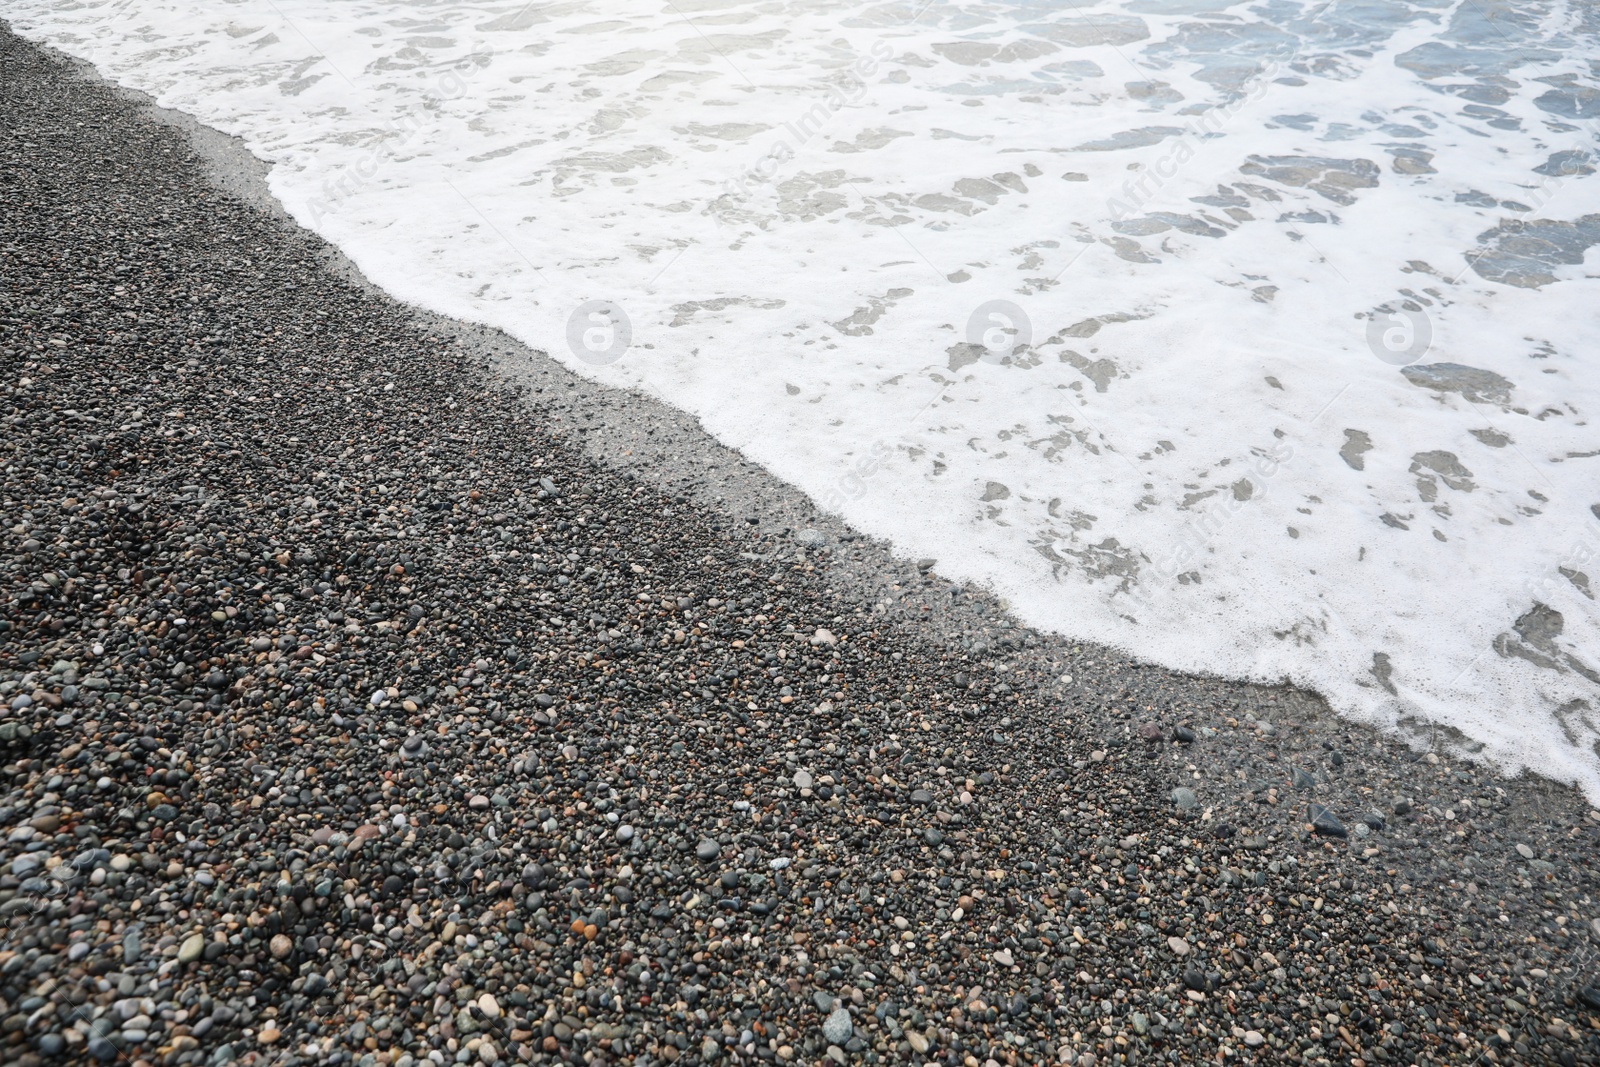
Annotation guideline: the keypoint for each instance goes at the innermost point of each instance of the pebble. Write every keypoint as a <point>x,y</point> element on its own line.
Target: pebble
<point>837,1027</point>
<point>1324,821</point>
<point>1179,946</point>
<point>191,949</point>
<point>707,850</point>
<point>1184,798</point>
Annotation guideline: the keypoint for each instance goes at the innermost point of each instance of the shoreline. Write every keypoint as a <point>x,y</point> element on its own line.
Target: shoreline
<point>899,765</point>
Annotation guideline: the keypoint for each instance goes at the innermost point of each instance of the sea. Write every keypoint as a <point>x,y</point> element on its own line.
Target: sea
<point>1256,339</point>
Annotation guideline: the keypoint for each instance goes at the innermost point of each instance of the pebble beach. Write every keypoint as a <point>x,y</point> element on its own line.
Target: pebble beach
<point>373,691</point>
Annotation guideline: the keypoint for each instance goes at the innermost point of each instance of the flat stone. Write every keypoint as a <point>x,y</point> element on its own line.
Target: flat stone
<point>1184,797</point>
<point>1004,958</point>
<point>1524,851</point>
<point>803,780</point>
<point>1179,946</point>
<point>192,947</point>
<point>837,1027</point>
<point>707,850</point>
<point>1324,822</point>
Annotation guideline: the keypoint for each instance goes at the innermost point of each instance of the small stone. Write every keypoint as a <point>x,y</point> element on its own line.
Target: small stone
<point>479,803</point>
<point>1183,735</point>
<point>280,946</point>
<point>918,1043</point>
<point>921,796</point>
<point>192,947</point>
<point>1150,732</point>
<point>1524,851</point>
<point>823,1001</point>
<point>803,780</point>
<point>1097,756</point>
<point>1179,946</point>
<point>824,637</point>
<point>1324,822</point>
<point>837,1028</point>
<point>1004,958</point>
<point>489,1006</point>
<point>1254,1039</point>
<point>268,1035</point>
<point>707,850</point>
<point>1302,778</point>
<point>1184,797</point>
<point>624,833</point>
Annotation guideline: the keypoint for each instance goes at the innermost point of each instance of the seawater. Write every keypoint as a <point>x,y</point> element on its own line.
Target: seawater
<point>1256,339</point>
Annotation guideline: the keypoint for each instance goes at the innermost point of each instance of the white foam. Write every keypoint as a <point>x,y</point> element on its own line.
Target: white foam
<point>799,207</point>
